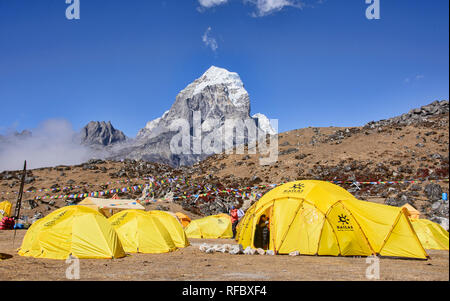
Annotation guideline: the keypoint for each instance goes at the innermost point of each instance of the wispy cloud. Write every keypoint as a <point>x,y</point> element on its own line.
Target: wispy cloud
<point>210,41</point>
<point>211,3</point>
<point>262,7</point>
<point>267,7</point>
<point>414,78</point>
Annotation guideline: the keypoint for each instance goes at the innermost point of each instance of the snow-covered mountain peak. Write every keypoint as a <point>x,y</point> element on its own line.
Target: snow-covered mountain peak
<point>219,76</point>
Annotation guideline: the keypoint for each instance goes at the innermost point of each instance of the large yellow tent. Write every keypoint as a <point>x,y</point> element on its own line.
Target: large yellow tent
<point>5,209</point>
<point>431,235</point>
<point>73,230</point>
<point>141,232</point>
<point>174,227</point>
<point>109,207</point>
<point>215,226</point>
<point>320,218</point>
<point>183,218</point>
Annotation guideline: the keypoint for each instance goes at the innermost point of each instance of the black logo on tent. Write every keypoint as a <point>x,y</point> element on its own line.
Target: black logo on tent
<point>297,188</point>
<point>344,223</point>
<point>119,220</point>
<point>343,219</point>
<point>56,218</point>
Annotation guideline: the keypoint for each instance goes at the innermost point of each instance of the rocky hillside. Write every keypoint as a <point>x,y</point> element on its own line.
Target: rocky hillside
<point>413,146</point>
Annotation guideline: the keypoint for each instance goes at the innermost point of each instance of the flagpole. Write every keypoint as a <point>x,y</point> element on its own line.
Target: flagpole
<point>19,199</point>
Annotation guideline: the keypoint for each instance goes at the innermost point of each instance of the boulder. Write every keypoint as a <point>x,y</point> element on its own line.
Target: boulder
<point>433,192</point>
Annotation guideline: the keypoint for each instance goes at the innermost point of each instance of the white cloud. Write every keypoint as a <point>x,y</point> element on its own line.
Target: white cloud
<point>211,3</point>
<point>209,40</point>
<point>420,76</point>
<point>263,7</point>
<point>410,79</point>
<point>53,142</point>
<point>267,7</point>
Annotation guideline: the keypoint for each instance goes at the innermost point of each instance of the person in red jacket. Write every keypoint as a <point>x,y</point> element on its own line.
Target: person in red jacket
<point>234,219</point>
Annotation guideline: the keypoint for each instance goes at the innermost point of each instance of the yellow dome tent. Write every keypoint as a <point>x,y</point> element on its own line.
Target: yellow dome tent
<point>141,232</point>
<point>73,230</point>
<point>183,218</point>
<point>431,235</point>
<point>210,227</point>
<point>320,218</point>
<point>173,225</point>
<point>5,209</point>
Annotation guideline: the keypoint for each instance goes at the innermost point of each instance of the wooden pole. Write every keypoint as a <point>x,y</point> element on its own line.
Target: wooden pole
<point>19,198</point>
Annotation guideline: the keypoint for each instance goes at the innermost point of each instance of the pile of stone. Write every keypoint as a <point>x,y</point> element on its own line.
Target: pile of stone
<point>136,169</point>
<point>233,250</point>
<point>17,175</point>
<point>338,136</point>
<point>415,116</point>
<point>226,248</point>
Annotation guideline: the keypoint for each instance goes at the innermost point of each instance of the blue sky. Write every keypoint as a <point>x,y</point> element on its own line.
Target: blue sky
<point>323,64</point>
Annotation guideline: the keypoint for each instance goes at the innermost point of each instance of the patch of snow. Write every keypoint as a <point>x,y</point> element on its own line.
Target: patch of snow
<point>264,123</point>
<point>219,76</point>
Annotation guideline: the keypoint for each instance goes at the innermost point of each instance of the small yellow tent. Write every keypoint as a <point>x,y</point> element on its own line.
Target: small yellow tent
<point>320,218</point>
<point>73,230</point>
<point>183,218</point>
<point>215,226</point>
<point>109,207</point>
<point>141,232</point>
<point>5,209</point>
<point>431,235</point>
<point>174,227</point>
<point>413,212</point>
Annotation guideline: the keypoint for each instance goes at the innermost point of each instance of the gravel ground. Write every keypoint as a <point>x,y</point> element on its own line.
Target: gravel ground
<point>189,264</point>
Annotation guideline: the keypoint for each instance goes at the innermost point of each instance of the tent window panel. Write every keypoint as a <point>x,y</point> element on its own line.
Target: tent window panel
<point>403,241</point>
<point>352,241</point>
<point>431,235</point>
<point>328,244</point>
<point>245,236</point>
<point>312,222</point>
<point>304,233</point>
<point>283,214</point>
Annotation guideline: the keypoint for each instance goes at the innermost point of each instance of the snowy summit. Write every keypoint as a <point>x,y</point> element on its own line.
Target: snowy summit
<point>219,76</point>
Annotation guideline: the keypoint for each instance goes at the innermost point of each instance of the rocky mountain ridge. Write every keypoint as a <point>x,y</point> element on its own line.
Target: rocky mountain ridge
<point>97,133</point>
<point>204,107</point>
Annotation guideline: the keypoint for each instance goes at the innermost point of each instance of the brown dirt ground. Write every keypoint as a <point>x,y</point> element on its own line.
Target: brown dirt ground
<point>189,264</point>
